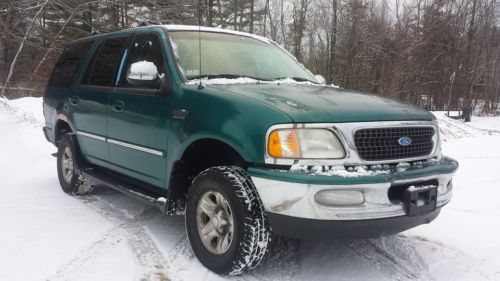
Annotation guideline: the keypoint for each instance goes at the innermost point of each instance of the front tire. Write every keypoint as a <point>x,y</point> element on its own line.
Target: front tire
<point>66,164</point>
<point>225,221</point>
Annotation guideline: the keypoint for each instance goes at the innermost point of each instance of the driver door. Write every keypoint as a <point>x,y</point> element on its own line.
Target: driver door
<point>138,117</point>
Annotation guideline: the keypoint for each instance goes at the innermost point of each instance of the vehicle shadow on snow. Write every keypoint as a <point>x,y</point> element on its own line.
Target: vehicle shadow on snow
<point>163,253</point>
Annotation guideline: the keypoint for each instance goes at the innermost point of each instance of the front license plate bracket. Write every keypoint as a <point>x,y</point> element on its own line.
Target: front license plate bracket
<point>419,200</point>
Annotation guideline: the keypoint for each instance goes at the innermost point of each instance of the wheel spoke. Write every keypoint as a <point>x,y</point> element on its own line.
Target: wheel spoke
<point>228,215</point>
<point>222,242</point>
<point>224,222</point>
<point>208,206</point>
<point>221,201</point>
<point>209,237</point>
<point>207,229</point>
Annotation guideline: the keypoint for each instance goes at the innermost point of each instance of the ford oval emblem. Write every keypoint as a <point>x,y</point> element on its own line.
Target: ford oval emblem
<point>405,141</point>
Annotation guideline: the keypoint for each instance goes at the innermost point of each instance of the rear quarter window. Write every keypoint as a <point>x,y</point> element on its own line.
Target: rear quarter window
<point>68,64</point>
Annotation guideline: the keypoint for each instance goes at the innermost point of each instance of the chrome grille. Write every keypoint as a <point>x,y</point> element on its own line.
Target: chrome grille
<point>378,144</point>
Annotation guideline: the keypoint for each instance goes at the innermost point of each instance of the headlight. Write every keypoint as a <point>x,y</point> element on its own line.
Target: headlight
<point>304,143</point>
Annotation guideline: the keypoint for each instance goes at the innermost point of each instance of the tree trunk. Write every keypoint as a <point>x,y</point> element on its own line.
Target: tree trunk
<point>266,11</point>
<point>235,15</point>
<point>333,41</point>
<point>252,4</point>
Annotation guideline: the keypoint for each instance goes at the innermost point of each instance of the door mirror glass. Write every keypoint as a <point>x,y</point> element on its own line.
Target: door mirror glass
<point>320,79</point>
<point>143,73</point>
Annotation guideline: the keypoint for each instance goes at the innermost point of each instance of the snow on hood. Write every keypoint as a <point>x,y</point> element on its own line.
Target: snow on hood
<point>246,80</point>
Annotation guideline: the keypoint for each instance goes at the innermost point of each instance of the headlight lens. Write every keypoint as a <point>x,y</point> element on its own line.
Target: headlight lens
<point>305,143</point>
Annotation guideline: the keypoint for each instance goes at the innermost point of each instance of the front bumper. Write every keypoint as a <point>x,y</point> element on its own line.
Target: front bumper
<point>47,132</point>
<point>290,197</point>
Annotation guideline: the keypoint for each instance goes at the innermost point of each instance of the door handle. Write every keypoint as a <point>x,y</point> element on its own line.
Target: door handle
<point>74,100</point>
<point>118,106</point>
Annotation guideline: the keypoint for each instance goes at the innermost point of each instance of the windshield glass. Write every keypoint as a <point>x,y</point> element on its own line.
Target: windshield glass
<point>232,56</point>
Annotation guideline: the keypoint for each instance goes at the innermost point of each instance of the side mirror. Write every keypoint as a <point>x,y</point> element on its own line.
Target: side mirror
<point>320,79</point>
<point>144,74</point>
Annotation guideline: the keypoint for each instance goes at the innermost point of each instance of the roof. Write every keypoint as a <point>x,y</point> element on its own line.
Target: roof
<point>176,27</point>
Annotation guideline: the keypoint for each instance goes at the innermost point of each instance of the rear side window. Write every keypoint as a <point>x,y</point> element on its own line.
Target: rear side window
<point>68,64</point>
<point>102,70</point>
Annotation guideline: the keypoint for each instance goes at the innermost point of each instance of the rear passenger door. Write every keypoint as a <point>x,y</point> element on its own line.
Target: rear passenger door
<point>90,100</point>
<point>138,116</point>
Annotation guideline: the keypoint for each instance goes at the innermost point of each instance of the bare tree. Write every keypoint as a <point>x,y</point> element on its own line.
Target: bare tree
<point>21,46</point>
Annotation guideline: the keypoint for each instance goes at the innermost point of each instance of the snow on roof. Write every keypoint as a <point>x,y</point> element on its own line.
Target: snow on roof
<point>213,29</point>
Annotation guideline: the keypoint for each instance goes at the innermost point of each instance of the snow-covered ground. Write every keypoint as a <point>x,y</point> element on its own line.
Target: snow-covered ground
<point>48,235</point>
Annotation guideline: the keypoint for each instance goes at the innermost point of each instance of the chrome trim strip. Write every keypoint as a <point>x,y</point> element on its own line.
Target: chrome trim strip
<point>97,137</point>
<point>136,147</point>
<point>120,143</point>
<point>345,132</point>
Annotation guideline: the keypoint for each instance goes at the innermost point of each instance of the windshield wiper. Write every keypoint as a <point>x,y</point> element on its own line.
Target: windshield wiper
<point>229,76</point>
<point>298,79</point>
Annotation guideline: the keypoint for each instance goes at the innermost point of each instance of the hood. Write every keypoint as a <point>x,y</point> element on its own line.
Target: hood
<point>318,104</point>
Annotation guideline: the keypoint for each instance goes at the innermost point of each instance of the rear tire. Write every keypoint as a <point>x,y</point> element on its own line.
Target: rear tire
<point>223,203</point>
<point>66,164</point>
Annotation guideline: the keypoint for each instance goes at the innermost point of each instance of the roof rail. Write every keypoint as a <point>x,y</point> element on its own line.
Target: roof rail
<point>146,23</point>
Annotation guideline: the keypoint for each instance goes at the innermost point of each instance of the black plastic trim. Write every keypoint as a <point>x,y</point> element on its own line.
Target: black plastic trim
<point>312,229</point>
<point>46,134</point>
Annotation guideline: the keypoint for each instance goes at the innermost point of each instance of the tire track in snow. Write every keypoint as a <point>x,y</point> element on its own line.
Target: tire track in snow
<point>387,263</point>
<point>400,257</point>
<point>182,261</point>
<point>151,264</point>
<point>71,269</point>
<point>282,263</point>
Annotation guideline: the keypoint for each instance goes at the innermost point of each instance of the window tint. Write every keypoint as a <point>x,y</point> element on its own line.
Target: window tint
<point>146,47</point>
<point>102,71</point>
<point>68,64</point>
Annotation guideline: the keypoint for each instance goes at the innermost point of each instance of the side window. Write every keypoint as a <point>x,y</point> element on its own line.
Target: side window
<point>102,71</point>
<point>68,64</point>
<point>145,47</point>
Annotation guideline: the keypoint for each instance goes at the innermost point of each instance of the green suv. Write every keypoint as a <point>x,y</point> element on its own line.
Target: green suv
<point>230,130</point>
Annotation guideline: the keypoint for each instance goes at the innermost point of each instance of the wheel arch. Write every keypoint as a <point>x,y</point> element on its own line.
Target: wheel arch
<point>62,126</point>
<point>198,156</point>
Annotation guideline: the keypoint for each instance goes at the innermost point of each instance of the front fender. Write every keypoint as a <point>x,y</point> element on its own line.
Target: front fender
<point>233,119</point>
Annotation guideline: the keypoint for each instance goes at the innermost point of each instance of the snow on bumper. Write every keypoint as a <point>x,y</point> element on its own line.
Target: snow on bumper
<point>347,198</point>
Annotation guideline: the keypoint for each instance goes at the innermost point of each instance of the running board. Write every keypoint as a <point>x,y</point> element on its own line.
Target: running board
<point>99,178</point>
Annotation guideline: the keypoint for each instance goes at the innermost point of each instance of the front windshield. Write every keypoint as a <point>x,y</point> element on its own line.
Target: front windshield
<point>231,56</point>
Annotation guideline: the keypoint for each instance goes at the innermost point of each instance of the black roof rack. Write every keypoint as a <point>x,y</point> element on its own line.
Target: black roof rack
<point>146,23</point>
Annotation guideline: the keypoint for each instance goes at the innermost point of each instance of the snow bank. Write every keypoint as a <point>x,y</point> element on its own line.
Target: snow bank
<point>455,129</point>
<point>29,109</point>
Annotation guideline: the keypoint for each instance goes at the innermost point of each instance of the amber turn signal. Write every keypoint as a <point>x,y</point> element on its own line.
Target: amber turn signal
<point>284,144</point>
